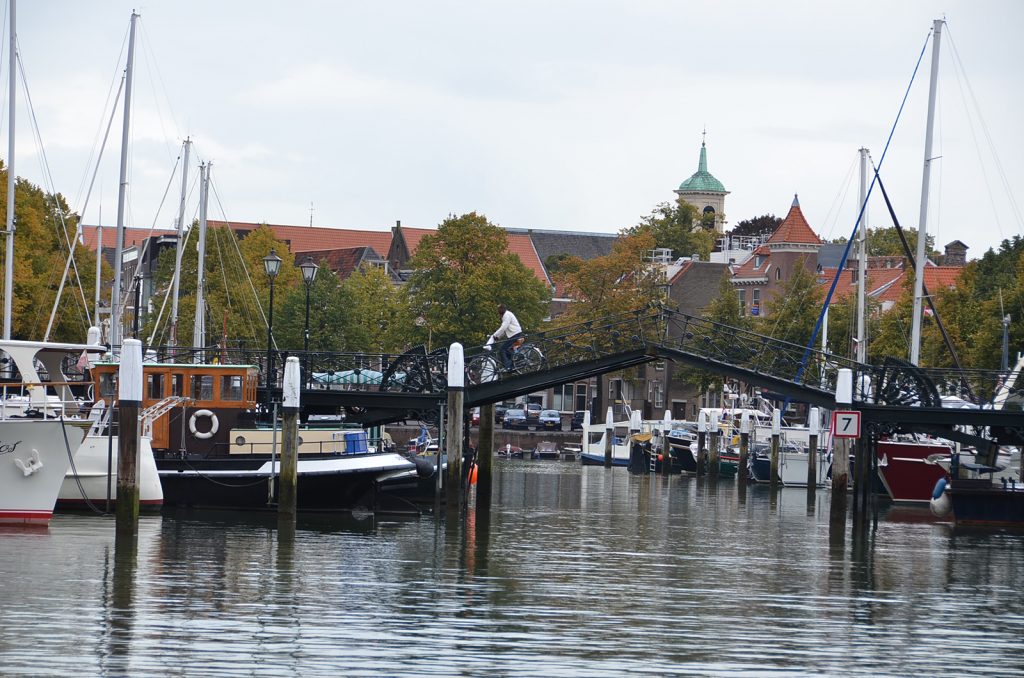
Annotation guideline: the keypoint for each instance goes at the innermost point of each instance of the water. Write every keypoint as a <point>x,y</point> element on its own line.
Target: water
<point>579,572</point>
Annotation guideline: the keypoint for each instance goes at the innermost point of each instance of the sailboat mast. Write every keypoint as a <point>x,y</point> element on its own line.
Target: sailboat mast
<point>9,255</point>
<point>199,331</point>
<point>179,248</point>
<point>99,266</point>
<point>115,293</point>
<point>922,231</point>
<point>862,258</point>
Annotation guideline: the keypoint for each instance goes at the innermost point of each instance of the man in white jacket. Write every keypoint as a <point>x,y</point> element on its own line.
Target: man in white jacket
<point>510,330</point>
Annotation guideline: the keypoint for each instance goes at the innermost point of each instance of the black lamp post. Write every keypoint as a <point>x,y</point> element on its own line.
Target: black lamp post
<point>309,269</point>
<point>272,264</point>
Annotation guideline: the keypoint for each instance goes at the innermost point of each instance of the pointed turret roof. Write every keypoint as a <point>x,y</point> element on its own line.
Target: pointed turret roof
<point>701,181</point>
<point>794,229</point>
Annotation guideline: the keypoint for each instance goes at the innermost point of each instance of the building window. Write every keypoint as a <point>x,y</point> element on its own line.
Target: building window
<point>755,302</point>
<point>778,274</point>
<point>657,393</point>
<point>742,296</point>
<point>758,260</point>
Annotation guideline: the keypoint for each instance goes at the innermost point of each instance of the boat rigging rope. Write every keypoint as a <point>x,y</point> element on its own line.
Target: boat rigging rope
<point>74,471</point>
<point>849,243</point>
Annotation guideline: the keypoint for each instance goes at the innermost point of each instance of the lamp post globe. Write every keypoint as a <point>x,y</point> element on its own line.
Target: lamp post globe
<point>272,265</point>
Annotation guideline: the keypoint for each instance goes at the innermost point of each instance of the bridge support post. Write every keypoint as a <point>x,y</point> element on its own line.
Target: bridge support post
<point>776,437</point>
<point>716,439</point>
<point>129,403</point>
<point>288,489</point>
<point>485,459</point>
<point>453,437</point>
<point>812,453</point>
<point>741,472</point>
<point>702,433</point>
<point>609,437</point>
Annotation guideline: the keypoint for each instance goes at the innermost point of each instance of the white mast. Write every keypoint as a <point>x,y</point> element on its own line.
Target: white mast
<point>199,331</point>
<point>12,57</point>
<point>99,266</point>
<point>115,293</point>
<point>179,248</point>
<point>862,259</point>
<point>922,232</point>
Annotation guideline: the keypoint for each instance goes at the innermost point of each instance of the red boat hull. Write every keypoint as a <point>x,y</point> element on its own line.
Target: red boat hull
<point>904,471</point>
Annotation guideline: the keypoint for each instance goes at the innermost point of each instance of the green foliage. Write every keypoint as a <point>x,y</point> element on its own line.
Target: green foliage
<point>462,272</point>
<point>679,227</point>
<point>794,311</point>
<point>40,254</point>
<point>886,242</point>
<point>330,315</point>
<point>381,319</point>
<point>842,324</point>
<point>763,225</point>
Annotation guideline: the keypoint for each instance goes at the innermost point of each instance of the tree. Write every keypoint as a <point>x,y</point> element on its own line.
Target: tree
<point>381,319</point>
<point>621,281</point>
<point>462,272</point>
<point>794,311</point>
<point>885,242</point>
<point>724,310</point>
<point>842,324</point>
<point>331,315</point>
<point>679,227</point>
<point>763,225</point>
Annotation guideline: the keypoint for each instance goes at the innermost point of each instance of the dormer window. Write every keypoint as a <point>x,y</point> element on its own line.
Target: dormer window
<point>758,260</point>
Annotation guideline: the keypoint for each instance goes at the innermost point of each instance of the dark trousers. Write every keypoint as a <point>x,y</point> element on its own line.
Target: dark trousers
<point>506,350</point>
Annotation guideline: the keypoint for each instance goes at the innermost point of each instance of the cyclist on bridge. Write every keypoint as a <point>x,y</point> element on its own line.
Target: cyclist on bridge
<point>510,330</point>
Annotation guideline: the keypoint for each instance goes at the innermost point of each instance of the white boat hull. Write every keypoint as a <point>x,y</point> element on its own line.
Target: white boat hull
<point>33,460</point>
<point>89,475</point>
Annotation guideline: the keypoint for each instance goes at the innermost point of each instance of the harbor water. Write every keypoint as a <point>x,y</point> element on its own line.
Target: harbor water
<point>578,571</point>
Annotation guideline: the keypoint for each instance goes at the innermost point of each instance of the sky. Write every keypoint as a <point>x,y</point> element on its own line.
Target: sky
<point>569,115</point>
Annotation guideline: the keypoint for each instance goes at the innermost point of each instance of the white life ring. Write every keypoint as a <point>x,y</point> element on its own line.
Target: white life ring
<point>214,424</point>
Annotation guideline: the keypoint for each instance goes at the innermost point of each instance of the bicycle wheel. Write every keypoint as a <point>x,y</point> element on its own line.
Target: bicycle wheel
<point>528,359</point>
<point>481,369</point>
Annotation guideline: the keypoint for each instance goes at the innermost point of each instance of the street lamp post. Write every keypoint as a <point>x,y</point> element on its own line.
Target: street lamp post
<point>272,264</point>
<point>309,269</point>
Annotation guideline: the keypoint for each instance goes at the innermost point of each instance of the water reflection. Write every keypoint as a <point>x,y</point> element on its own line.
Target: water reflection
<point>575,571</point>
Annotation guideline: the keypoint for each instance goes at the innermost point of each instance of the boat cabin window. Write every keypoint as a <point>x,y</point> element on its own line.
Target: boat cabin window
<point>231,387</point>
<point>202,387</point>
<point>177,384</point>
<point>154,386</point>
<point>108,384</point>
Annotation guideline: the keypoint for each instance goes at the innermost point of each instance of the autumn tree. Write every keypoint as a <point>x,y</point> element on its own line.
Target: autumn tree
<point>462,272</point>
<point>331,315</point>
<point>381,318</point>
<point>793,312</point>
<point>763,226</point>
<point>679,227</point>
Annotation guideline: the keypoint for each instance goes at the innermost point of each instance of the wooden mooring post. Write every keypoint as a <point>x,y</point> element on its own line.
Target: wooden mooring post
<point>776,438</point>
<point>741,472</point>
<point>666,450</point>
<point>288,483</point>
<point>702,434</point>
<point>812,452</point>
<point>453,429</point>
<point>129,403</point>
<point>485,459</point>
<point>841,447</point>
<point>716,440</point>
<point>609,437</point>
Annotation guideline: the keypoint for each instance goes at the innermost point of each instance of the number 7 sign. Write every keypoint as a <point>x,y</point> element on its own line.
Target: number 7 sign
<point>845,424</point>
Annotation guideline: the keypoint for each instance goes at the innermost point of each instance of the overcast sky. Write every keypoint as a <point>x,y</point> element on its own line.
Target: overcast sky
<point>576,115</point>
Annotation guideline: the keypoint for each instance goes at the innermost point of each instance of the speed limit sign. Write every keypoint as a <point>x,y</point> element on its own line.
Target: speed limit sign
<point>845,424</point>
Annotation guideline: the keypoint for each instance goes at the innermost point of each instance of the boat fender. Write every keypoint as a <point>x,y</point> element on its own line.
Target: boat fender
<point>424,467</point>
<point>940,503</point>
<point>214,424</point>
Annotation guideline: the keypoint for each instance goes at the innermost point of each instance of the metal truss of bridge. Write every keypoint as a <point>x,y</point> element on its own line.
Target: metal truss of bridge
<point>893,396</point>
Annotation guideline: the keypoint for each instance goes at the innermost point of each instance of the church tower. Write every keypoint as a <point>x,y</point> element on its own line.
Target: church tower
<point>704,191</point>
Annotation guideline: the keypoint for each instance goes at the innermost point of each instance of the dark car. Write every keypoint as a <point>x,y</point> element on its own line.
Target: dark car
<point>549,420</point>
<point>499,412</point>
<point>515,418</point>
<point>577,420</point>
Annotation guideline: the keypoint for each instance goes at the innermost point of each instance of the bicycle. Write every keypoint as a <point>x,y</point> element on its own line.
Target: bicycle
<point>486,367</point>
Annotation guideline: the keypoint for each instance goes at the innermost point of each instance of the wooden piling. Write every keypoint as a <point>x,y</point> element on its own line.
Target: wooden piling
<point>702,432</point>
<point>666,451</point>
<point>485,459</point>
<point>453,428</point>
<point>840,475</point>
<point>741,471</point>
<point>609,438</point>
<point>129,406</point>
<point>812,452</point>
<point>776,438</point>
<point>288,483</point>
<point>716,439</point>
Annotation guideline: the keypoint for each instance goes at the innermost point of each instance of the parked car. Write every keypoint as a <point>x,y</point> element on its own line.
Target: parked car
<point>499,412</point>
<point>549,420</point>
<point>515,418</point>
<point>533,411</point>
<point>474,417</point>
<point>577,420</point>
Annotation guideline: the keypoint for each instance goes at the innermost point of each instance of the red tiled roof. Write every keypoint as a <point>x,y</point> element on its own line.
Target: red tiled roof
<point>794,229</point>
<point>680,273</point>
<point>519,244</point>
<point>310,238</point>
<point>886,284</point>
<point>342,262</point>
<point>132,236</point>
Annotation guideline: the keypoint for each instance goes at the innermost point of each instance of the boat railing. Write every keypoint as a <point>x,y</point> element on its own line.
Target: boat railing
<point>32,400</point>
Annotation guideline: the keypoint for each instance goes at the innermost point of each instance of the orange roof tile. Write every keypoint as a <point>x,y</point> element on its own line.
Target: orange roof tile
<point>132,236</point>
<point>794,229</point>
<point>310,238</point>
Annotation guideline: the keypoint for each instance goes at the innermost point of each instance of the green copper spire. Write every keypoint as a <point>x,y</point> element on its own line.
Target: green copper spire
<point>702,181</point>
